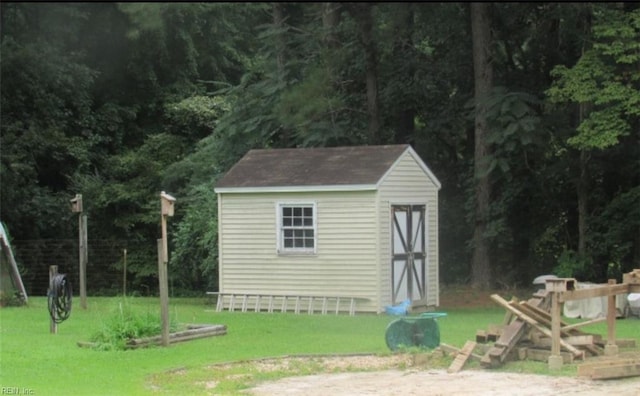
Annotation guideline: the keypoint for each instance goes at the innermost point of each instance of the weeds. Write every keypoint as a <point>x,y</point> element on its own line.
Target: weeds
<point>124,324</point>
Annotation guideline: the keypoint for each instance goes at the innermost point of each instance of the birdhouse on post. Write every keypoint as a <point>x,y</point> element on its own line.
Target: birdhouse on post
<point>166,210</point>
<point>167,204</point>
<point>76,204</point>
<point>76,207</point>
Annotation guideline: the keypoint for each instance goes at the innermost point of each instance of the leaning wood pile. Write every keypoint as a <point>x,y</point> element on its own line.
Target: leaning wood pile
<point>526,334</point>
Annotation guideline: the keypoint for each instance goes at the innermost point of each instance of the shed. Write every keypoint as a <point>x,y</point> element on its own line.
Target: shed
<point>335,222</point>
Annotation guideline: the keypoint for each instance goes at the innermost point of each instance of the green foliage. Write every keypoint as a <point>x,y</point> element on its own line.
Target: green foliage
<point>607,77</point>
<point>125,323</point>
<point>119,101</point>
<point>572,265</point>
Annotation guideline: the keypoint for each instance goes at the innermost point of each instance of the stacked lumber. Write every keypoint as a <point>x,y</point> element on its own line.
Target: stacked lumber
<point>526,334</point>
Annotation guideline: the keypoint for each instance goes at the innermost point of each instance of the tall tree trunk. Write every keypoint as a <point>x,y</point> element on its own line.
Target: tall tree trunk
<point>330,21</point>
<point>362,12</point>
<point>281,47</point>
<point>582,189</point>
<point>483,82</point>
<point>403,49</point>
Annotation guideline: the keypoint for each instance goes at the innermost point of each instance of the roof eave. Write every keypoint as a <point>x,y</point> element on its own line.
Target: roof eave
<point>291,189</point>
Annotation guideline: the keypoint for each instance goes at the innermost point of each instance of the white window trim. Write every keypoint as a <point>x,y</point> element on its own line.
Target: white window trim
<point>280,249</point>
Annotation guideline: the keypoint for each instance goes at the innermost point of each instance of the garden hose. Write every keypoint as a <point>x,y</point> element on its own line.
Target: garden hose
<point>59,298</point>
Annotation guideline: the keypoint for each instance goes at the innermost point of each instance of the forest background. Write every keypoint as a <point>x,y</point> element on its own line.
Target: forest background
<point>528,113</point>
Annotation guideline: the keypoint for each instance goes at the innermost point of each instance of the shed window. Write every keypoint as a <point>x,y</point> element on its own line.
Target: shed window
<point>297,228</point>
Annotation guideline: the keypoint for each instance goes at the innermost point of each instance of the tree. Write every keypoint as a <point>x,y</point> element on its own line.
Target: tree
<point>606,81</point>
<point>483,77</point>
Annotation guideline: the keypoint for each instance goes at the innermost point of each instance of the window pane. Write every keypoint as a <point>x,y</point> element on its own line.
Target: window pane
<point>296,227</point>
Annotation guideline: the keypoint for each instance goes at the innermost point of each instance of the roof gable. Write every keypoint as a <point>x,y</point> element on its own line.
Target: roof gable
<point>334,168</point>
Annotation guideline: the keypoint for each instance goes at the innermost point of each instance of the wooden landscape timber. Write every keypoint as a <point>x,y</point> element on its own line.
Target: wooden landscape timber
<point>533,329</point>
<point>193,332</point>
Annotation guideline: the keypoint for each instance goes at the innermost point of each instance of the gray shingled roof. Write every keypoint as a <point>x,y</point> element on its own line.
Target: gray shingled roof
<point>305,167</point>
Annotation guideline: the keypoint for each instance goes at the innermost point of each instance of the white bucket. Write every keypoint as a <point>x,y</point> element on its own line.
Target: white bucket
<point>634,303</point>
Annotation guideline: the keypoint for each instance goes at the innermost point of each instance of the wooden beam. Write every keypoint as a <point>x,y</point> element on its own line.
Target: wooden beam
<point>588,322</point>
<point>462,357</point>
<point>598,291</point>
<point>451,349</point>
<point>617,368</point>
<point>576,352</point>
<point>573,340</point>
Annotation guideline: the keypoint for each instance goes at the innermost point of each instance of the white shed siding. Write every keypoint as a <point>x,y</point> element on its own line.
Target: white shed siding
<point>406,183</point>
<point>346,246</point>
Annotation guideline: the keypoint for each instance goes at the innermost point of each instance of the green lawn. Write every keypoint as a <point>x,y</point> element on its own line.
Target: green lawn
<point>52,364</point>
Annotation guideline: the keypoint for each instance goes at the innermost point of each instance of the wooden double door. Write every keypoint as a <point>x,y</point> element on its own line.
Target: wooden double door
<point>409,253</point>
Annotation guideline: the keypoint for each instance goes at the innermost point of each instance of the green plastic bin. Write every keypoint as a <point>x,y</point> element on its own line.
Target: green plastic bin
<point>414,331</point>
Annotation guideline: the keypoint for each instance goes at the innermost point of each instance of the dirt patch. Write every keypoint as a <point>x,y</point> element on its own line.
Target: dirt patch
<point>439,382</point>
<point>418,381</point>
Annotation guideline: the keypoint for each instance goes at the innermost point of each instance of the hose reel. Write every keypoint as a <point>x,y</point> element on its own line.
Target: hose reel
<point>59,298</point>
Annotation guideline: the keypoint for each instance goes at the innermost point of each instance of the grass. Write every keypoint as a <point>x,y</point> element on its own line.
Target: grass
<point>52,364</point>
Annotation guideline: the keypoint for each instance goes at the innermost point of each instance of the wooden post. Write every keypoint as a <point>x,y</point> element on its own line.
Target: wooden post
<point>166,209</point>
<point>611,348</point>
<point>53,271</point>
<point>76,207</point>
<point>555,359</point>
<point>82,223</point>
<point>124,273</point>
<point>164,294</point>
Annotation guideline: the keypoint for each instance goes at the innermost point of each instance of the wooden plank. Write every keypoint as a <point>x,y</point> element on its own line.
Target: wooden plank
<point>534,323</point>
<point>451,349</point>
<point>587,369</point>
<point>580,340</point>
<point>620,342</point>
<point>462,357</point>
<point>481,336</point>
<point>598,291</point>
<point>613,371</point>
<point>580,324</point>
<point>511,334</point>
